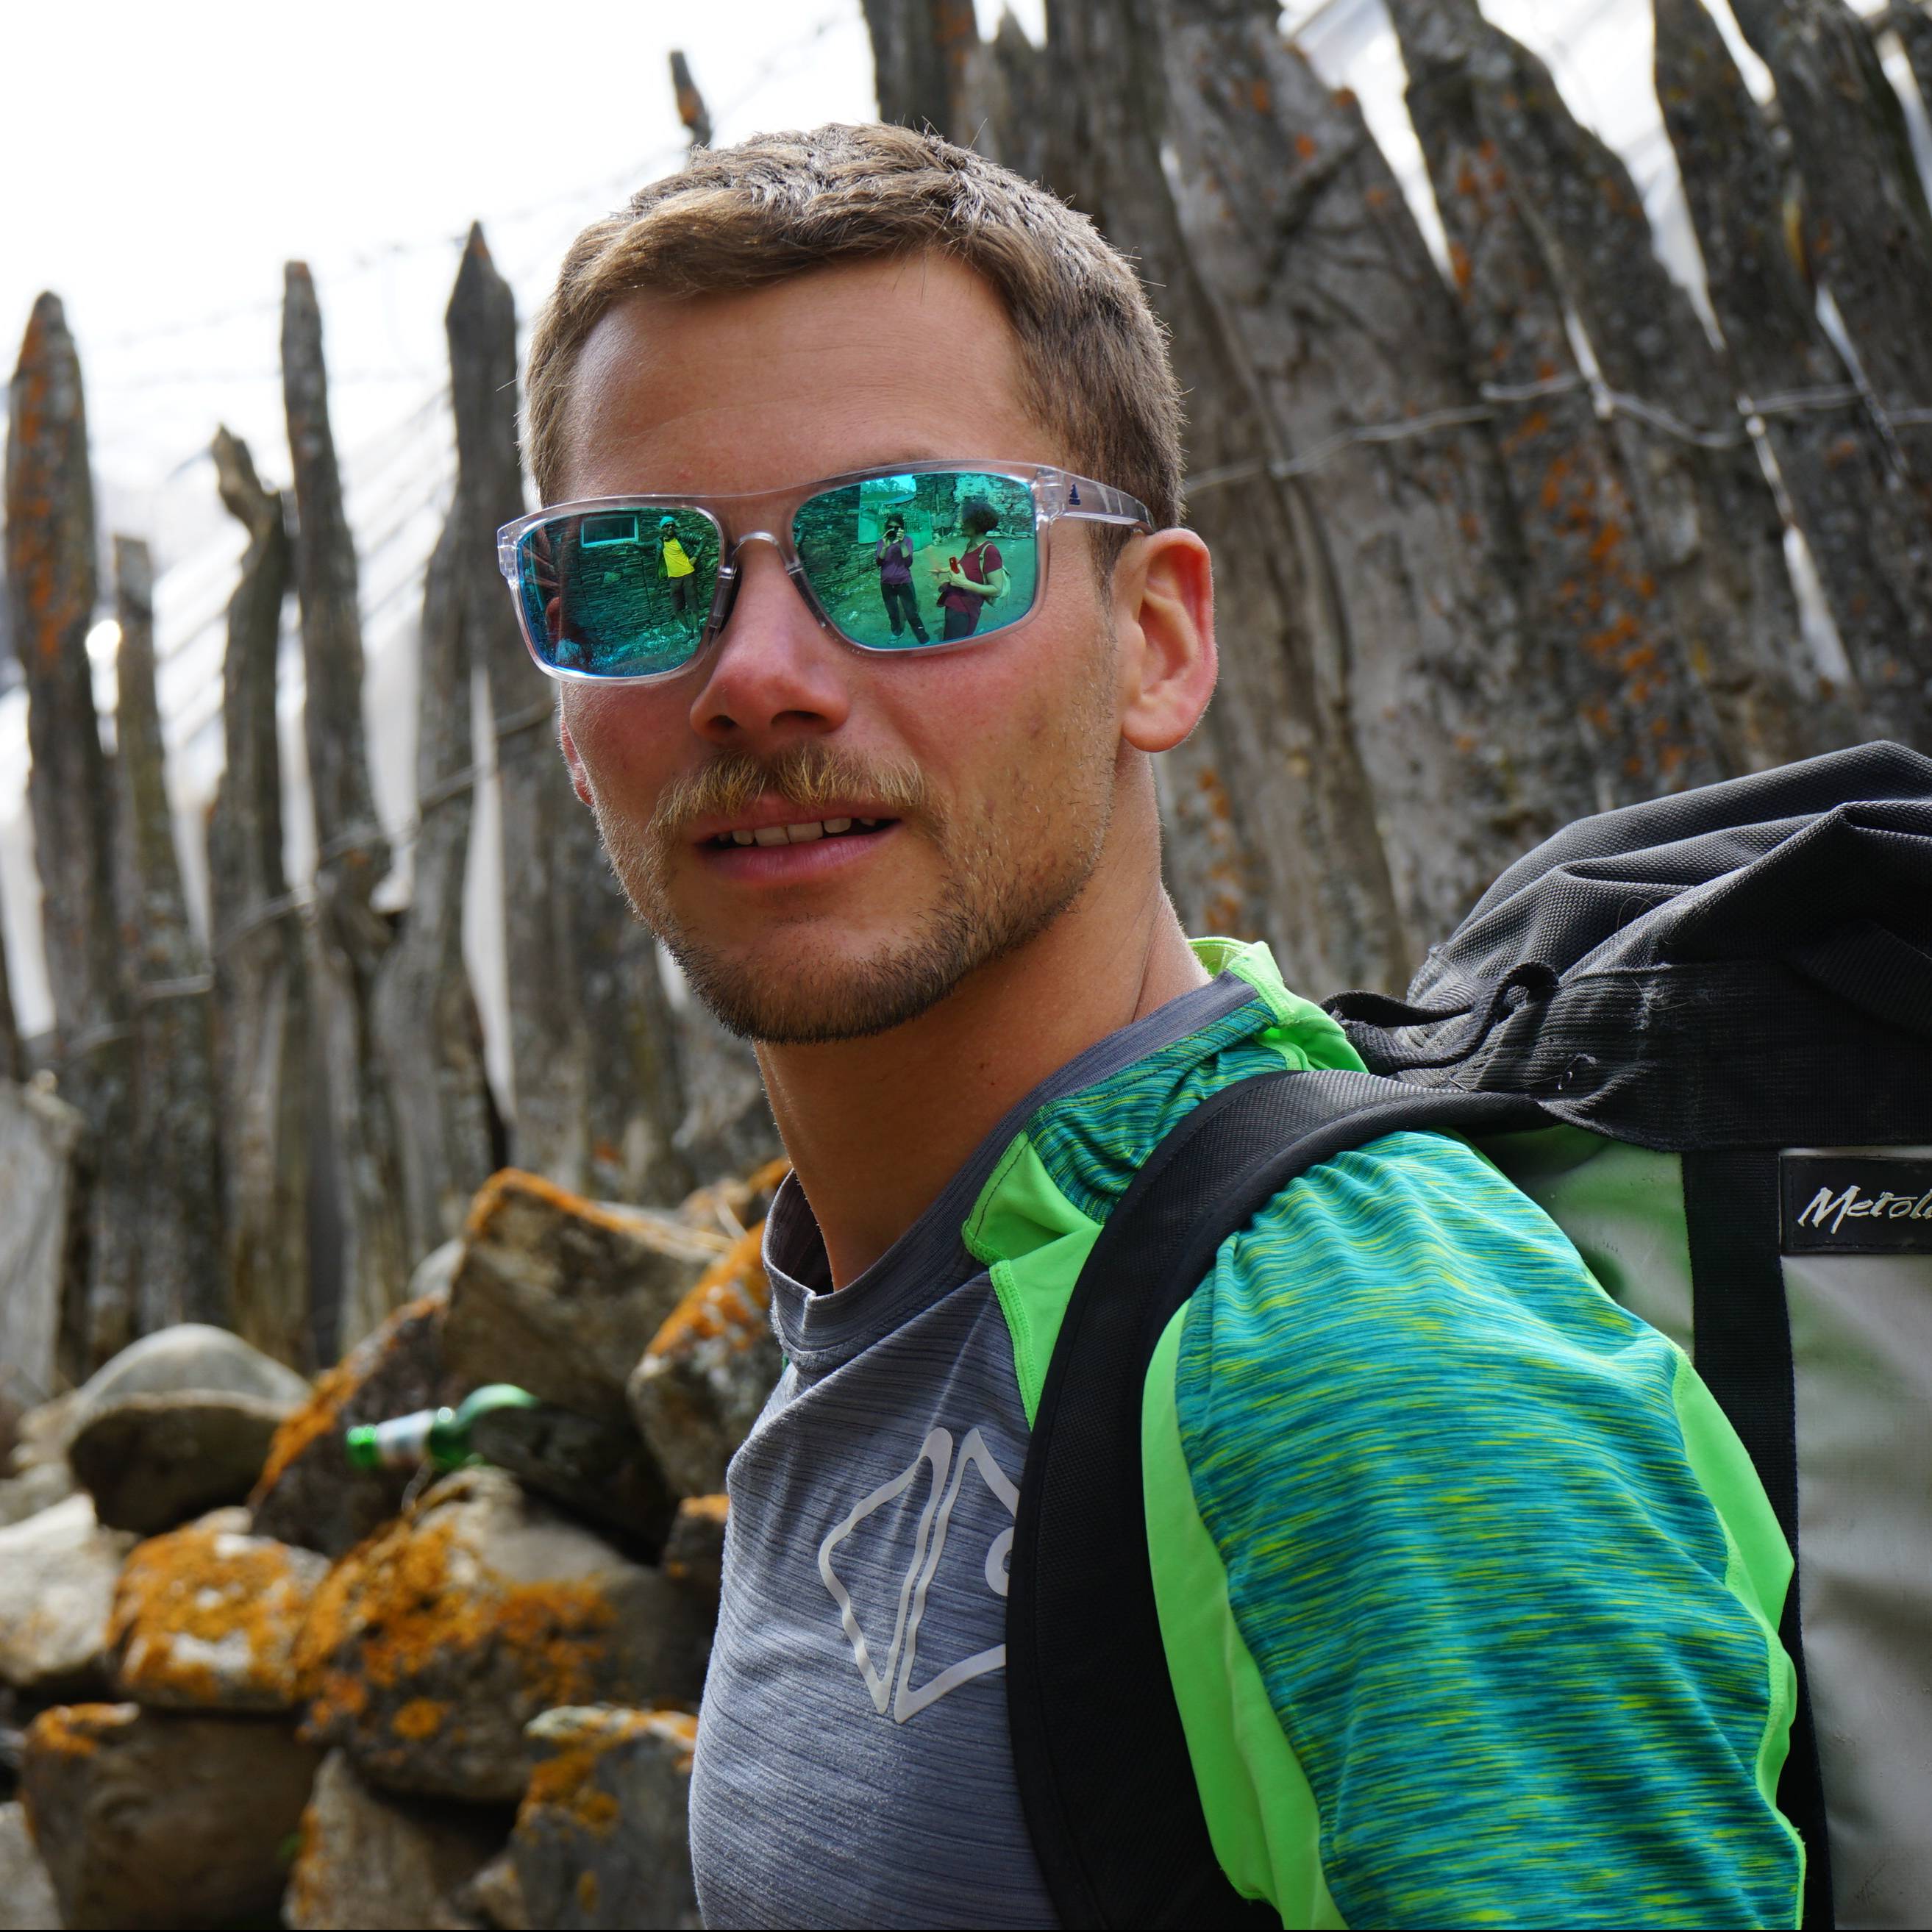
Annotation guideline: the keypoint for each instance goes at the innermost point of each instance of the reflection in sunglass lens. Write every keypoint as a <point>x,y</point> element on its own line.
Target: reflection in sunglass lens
<point>618,593</point>
<point>898,562</point>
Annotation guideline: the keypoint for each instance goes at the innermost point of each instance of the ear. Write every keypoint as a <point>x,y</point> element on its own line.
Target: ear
<point>1164,615</point>
<point>579,779</point>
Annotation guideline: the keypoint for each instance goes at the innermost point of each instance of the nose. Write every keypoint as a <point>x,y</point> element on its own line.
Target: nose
<point>776,678</point>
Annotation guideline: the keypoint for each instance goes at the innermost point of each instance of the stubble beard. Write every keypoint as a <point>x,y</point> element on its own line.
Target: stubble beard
<point>1003,880</point>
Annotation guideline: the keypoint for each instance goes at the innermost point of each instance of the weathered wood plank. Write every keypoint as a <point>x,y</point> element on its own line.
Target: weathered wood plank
<point>173,1149</point>
<point>1868,232</point>
<point>1872,547</point>
<point>39,1137</point>
<point>13,1061</point>
<point>352,854</point>
<point>597,1099</point>
<point>425,1015</point>
<point>1590,582</point>
<point>1911,20</point>
<point>922,53</point>
<point>1298,225</point>
<point>52,589</point>
<point>1711,524</point>
<point>691,108</point>
<point>1273,823</point>
<point>261,970</point>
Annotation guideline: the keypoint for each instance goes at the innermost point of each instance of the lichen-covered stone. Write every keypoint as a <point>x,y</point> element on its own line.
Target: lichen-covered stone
<point>146,1818</point>
<point>26,1893</point>
<point>189,1355</point>
<point>703,1381</point>
<point>39,1486</point>
<point>369,1859</point>
<point>307,1493</point>
<point>57,1575</point>
<point>206,1618</point>
<point>153,1461</point>
<point>560,1295</point>
<point>431,1646</point>
<point>694,1553</point>
<point>603,1837</point>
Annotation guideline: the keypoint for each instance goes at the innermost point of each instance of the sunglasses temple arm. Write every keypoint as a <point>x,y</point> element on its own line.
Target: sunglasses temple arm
<point>1095,502</point>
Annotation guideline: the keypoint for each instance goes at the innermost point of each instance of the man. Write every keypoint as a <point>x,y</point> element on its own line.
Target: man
<point>1466,1589</point>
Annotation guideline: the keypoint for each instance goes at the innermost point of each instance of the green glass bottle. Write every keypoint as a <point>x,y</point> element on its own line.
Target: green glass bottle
<point>440,1437</point>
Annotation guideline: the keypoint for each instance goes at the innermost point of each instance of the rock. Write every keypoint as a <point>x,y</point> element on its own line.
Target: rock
<point>26,1892</point>
<point>694,1553</point>
<point>493,1898</point>
<point>57,1575</point>
<point>598,1471</point>
<point>39,1135</point>
<point>206,1618</point>
<point>191,1355</point>
<point>45,1431</point>
<point>152,1461</point>
<point>40,1487</point>
<point>367,1859</point>
<point>732,1204</point>
<point>704,1378</point>
<point>559,1295</point>
<point>431,1646</point>
<point>603,1837</point>
<point>308,1493</point>
<point>145,1818</point>
<point>17,1396</point>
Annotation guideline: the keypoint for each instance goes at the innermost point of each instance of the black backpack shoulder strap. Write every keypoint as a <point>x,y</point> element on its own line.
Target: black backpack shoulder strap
<point>1101,1762</point>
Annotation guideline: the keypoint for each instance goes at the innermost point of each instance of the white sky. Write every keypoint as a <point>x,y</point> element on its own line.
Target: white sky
<point>163,162</point>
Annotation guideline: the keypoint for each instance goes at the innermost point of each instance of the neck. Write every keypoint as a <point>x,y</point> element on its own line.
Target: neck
<point>875,1128</point>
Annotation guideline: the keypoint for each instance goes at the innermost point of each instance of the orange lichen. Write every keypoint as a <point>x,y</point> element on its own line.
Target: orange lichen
<point>420,1719</point>
<point>181,1594</point>
<point>586,1892</point>
<point>412,1598</point>
<point>76,1730</point>
<point>1305,146</point>
<point>729,1298</point>
<point>510,1187</point>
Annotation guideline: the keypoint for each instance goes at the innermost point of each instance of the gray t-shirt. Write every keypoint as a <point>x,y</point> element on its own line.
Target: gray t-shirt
<point>853,1765</point>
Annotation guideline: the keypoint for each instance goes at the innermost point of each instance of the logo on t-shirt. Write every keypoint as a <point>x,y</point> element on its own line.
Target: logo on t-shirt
<point>952,1506</point>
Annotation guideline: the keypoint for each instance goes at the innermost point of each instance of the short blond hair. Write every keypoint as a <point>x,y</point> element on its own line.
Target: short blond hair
<point>781,205</point>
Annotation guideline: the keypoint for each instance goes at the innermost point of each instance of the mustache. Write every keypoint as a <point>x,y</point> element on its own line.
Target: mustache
<point>813,777</point>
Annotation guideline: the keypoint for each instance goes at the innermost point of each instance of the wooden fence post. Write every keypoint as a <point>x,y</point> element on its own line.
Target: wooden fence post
<point>425,1015</point>
<point>1711,524</point>
<point>1302,862</point>
<point>691,108</point>
<point>921,53</point>
<point>1911,20</point>
<point>261,970</point>
<point>173,1151</point>
<point>13,1061</point>
<point>597,1098</point>
<point>52,584</point>
<point>1871,545</point>
<point>1647,724</point>
<point>351,853</point>
<point>1300,230</point>
<point>1868,232</point>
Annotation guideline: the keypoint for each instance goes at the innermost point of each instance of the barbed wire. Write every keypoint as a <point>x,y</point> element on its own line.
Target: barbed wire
<point>1497,397</point>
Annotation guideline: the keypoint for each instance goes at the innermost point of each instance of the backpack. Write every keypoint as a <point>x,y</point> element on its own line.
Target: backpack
<point>1698,1032</point>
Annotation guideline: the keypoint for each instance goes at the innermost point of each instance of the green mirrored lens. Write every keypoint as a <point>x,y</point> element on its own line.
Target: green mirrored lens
<point>899,562</point>
<point>620,593</point>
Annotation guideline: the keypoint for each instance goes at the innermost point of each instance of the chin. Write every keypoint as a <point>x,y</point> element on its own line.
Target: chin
<point>803,998</point>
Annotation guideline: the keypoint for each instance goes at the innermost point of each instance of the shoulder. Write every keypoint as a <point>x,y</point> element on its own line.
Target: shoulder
<point>1421,1309</point>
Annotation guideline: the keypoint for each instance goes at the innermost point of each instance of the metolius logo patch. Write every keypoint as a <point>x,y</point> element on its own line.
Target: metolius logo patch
<point>1857,1203</point>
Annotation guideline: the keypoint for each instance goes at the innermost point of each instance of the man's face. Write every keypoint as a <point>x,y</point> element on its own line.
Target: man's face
<point>978,781</point>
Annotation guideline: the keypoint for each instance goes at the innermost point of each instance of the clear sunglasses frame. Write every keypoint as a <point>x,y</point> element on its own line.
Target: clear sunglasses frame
<point>748,517</point>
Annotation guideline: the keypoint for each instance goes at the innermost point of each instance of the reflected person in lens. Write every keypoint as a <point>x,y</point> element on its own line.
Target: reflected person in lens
<point>970,582</point>
<point>893,556</point>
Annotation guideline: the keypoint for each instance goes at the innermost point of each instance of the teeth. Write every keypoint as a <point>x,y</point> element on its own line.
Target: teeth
<point>834,826</point>
<point>742,839</point>
<point>803,834</point>
<point>770,834</point>
<point>871,824</point>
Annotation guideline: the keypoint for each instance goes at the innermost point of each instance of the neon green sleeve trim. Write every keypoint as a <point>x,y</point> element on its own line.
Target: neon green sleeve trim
<point>1034,1242</point>
<point>1302,1034</point>
<point>1262,1817</point>
<point>1758,1566</point>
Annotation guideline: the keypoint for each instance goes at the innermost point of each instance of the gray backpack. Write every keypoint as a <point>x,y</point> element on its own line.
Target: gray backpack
<point>1698,1032</point>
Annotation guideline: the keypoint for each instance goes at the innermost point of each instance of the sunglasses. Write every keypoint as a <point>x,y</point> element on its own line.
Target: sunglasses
<point>921,556</point>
